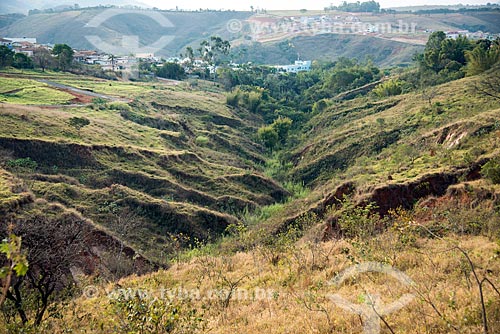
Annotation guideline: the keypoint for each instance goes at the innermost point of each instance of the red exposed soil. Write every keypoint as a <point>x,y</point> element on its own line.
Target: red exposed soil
<point>389,197</point>
<point>79,98</point>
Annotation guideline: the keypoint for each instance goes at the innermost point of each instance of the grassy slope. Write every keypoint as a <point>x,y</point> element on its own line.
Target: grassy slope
<point>25,91</point>
<point>420,243</point>
<point>387,53</point>
<point>295,302</point>
<point>369,141</point>
<point>385,49</point>
<point>398,140</point>
<point>329,47</point>
<point>144,157</point>
<point>69,27</point>
<point>405,119</point>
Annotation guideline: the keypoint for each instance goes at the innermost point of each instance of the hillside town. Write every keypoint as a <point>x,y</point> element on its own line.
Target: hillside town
<point>128,63</point>
<point>262,27</point>
<point>265,28</point>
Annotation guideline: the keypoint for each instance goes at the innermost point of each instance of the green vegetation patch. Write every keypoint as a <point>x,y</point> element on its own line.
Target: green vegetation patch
<point>25,91</point>
<point>10,84</point>
<point>113,88</point>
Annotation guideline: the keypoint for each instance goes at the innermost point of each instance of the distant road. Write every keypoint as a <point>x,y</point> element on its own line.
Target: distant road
<point>81,91</point>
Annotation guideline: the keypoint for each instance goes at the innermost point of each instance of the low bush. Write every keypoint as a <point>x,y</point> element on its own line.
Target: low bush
<point>202,140</point>
<point>491,170</point>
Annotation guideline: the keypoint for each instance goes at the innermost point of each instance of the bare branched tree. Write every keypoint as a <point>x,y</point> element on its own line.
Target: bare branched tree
<point>489,84</point>
<point>54,245</point>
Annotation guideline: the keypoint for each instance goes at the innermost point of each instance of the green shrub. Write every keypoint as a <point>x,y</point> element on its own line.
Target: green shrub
<point>269,136</point>
<point>358,221</point>
<point>273,210</point>
<point>253,101</point>
<point>389,88</point>
<point>202,140</point>
<point>120,106</point>
<point>282,126</point>
<point>233,98</point>
<point>491,170</point>
<point>22,165</point>
<point>320,106</point>
<point>78,122</point>
<point>144,313</point>
<point>481,59</point>
<point>98,102</point>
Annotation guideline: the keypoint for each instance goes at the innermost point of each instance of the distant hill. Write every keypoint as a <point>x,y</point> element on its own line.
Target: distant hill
<point>21,6</point>
<point>328,47</point>
<point>8,19</point>
<point>189,28</point>
<point>69,27</point>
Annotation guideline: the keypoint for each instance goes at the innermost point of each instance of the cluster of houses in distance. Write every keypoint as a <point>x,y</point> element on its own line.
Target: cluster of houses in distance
<point>266,27</point>
<point>22,45</point>
<point>107,62</point>
<point>29,45</point>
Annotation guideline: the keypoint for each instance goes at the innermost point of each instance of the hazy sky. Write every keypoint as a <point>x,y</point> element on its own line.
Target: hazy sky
<point>291,4</point>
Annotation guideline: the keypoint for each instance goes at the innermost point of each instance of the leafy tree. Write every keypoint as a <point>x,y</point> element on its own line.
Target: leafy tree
<point>431,57</point>
<point>454,50</point>
<point>64,56</point>
<point>6,56</point>
<point>482,57</point>
<point>269,136</point>
<point>261,89</point>
<point>212,50</point>
<point>489,85</point>
<point>171,71</point>
<point>319,106</point>
<point>368,6</point>
<point>42,58</point>
<point>21,60</point>
<point>112,59</point>
<point>17,264</point>
<point>282,126</point>
<point>253,101</point>
<point>445,53</point>
<point>232,98</point>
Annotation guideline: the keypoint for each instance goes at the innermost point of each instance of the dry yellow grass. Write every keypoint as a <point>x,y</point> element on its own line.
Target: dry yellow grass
<point>296,288</point>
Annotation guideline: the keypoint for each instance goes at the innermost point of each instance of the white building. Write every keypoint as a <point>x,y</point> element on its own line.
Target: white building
<point>21,39</point>
<point>299,66</point>
<point>456,34</point>
<point>6,42</point>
